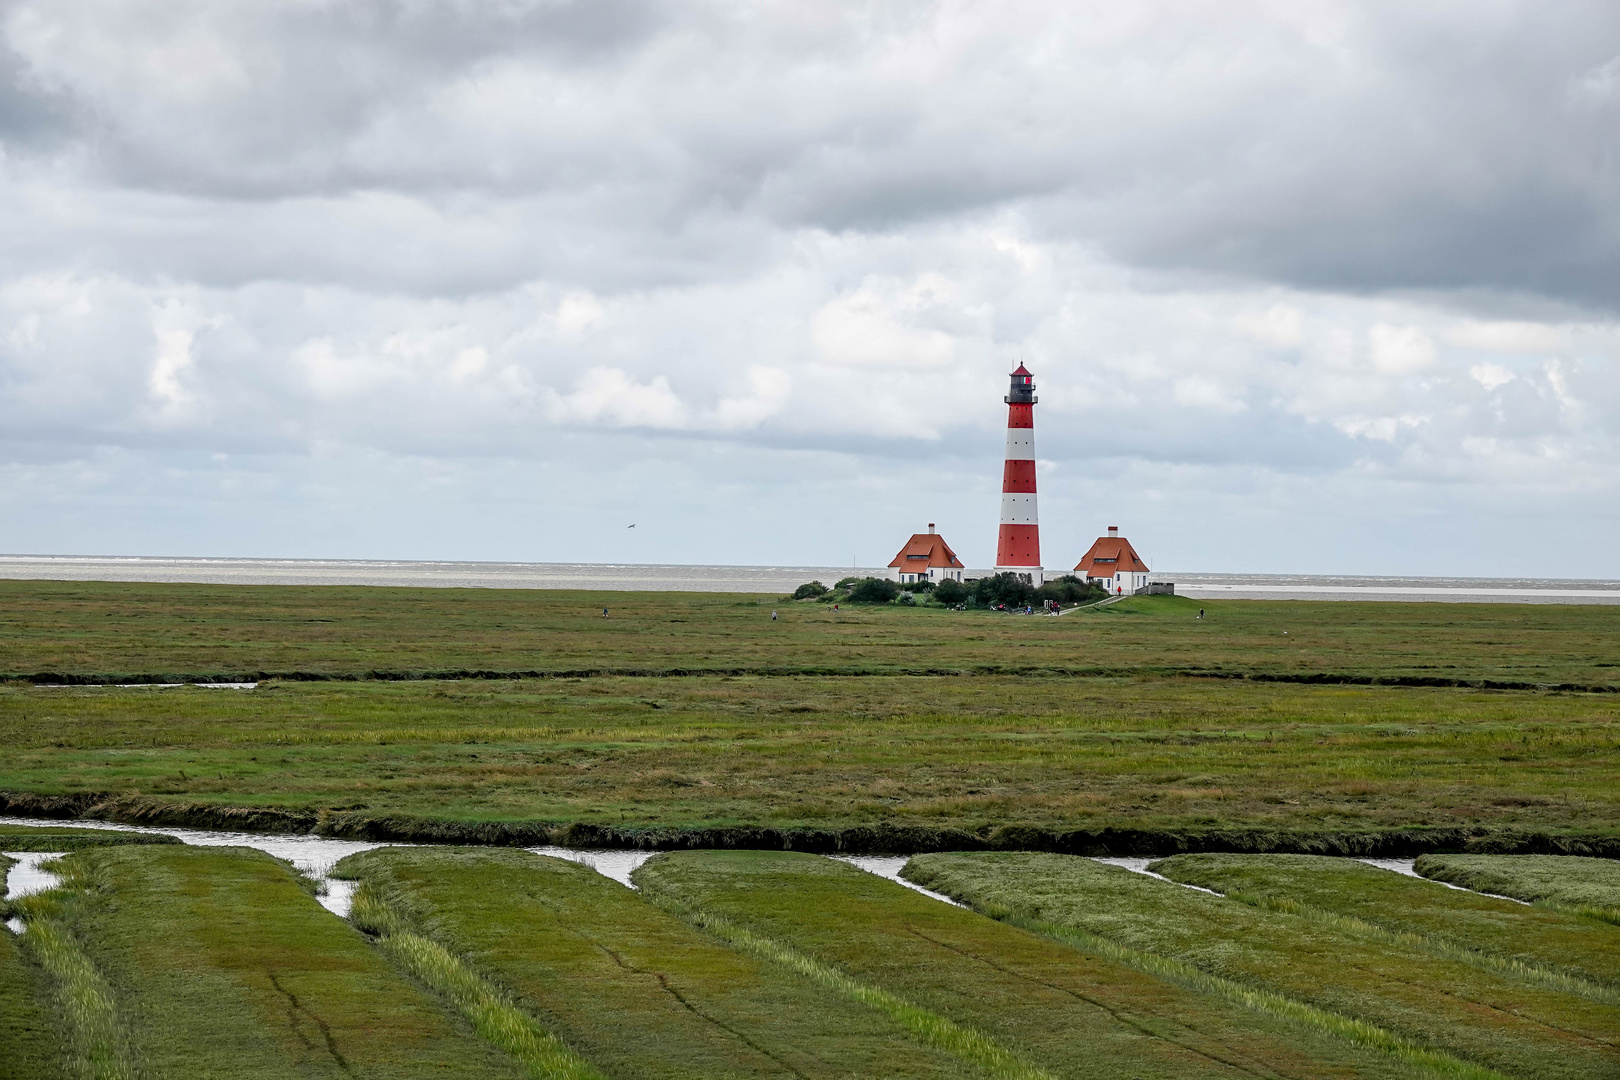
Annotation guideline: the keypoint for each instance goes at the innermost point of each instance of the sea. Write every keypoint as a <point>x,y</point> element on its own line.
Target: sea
<point>757,579</point>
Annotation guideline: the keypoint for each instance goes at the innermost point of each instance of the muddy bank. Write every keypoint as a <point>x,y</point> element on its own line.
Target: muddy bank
<point>855,840</point>
<point>62,678</point>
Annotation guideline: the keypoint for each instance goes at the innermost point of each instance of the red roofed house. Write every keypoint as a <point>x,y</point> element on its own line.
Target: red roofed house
<point>1114,564</point>
<point>926,557</point>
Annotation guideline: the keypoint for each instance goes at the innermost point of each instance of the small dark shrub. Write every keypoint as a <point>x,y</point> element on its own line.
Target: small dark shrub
<point>810,590</point>
<point>1069,589</point>
<point>1009,589</point>
<point>950,592</point>
<point>873,590</point>
<point>918,586</point>
<point>845,583</point>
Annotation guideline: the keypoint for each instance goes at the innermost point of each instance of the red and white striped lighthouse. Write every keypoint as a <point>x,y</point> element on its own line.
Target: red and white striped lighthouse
<point>1018,548</point>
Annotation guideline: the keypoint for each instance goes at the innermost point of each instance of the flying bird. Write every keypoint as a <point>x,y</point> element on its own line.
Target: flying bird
<point>631,525</point>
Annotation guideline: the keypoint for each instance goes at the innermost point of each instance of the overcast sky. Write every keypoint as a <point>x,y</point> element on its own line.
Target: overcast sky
<point>1306,287</point>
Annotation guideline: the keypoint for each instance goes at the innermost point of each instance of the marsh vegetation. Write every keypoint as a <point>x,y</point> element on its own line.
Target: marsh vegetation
<point>698,722</point>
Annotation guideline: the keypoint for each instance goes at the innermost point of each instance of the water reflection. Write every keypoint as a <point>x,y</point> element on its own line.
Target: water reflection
<point>26,878</point>
<point>888,866</point>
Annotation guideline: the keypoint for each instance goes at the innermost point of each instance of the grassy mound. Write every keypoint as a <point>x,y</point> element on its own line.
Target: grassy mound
<point>31,1044</point>
<point>630,988</point>
<point>1041,1007</point>
<point>217,962</point>
<point>1423,1011</point>
<point>66,838</point>
<point>1577,885</point>
<point>1446,920</point>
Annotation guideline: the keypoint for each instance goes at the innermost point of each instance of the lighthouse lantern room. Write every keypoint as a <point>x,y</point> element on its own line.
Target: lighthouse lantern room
<point>1018,545</point>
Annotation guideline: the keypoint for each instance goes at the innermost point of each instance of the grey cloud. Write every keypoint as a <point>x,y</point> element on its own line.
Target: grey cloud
<point>1360,149</point>
<point>312,251</point>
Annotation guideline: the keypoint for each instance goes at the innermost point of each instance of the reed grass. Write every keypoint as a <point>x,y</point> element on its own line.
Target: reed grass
<point>1541,947</point>
<point>491,1011</point>
<point>1586,888</point>
<point>1062,1010</point>
<point>1512,967</point>
<point>99,1045</point>
<point>65,838</point>
<point>1281,1006</point>
<point>973,1047</point>
<point>31,1031</point>
<point>627,986</point>
<point>1376,989</point>
<point>115,630</point>
<point>1168,756</point>
<point>221,964</point>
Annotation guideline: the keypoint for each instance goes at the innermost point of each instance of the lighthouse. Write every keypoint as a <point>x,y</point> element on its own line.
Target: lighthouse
<point>1018,547</point>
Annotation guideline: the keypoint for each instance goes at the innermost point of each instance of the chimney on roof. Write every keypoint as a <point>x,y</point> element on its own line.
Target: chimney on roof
<point>1113,532</point>
<point>930,528</point>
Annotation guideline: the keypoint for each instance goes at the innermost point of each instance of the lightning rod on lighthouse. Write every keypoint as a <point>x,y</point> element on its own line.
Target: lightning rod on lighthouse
<point>1018,547</point>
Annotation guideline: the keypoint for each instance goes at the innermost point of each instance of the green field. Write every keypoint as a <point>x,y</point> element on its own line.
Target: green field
<point>115,632</point>
<point>973,755</point>
<point>1051,1009</point>
<point>1152,757</point>
<point>1495,935</point>
<point>164,960</point>
<point>68,838</point>
<point>217,962</point>
<point>1584,886</point>
<point>33,1041</point>
<point>694,721</point>
<point>1417,995</point>
<point>628,986</point>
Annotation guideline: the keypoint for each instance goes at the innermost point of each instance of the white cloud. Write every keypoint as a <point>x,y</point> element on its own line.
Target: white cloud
<point>577,311</point>
<point>1491,376</point>
<point>1378,428</point>
<point>1509,337</point>
<point>469,362</point>
<point>609,396</point>
<point>1597,85</point>
<point>1201,393</point>
<point>877,325</point>
<point>1278,325</point>
<point>1400,350</point>
<point>173,358</point>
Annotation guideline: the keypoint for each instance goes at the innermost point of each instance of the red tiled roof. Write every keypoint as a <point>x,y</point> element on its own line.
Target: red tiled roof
<point>1116,548</point>
<point>924,550</point>
<point>1022,370</point>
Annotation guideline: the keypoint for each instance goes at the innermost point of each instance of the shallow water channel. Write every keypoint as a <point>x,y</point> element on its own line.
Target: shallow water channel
<point>316,855</point>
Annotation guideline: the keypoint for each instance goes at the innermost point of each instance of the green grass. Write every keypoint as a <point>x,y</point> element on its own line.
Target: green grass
<point>217,962</point>
<point>626,986</point>
<point>114,630</point>
<point>833,753</point>
<point>1058,1009</point>
<point>66,838</point>
<point>970,1047</point>
<point>31,1034</point>
<point>1577,886</point>
<point>98,1039</point>
<point>486,1006</point>
<point>1432,1011</point>
<point>1544,946</point>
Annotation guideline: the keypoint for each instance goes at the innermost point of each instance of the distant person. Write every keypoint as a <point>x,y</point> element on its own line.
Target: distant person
<point>773,615</point>
<point>604,613</point>
<point>1200,613</point>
